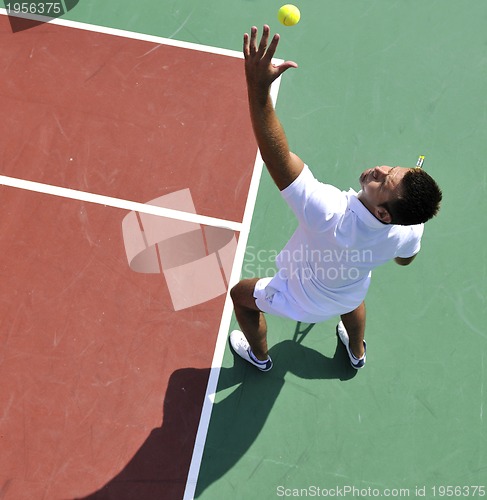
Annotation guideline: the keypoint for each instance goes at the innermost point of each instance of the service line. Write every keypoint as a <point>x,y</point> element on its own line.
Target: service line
<point>109,201</point>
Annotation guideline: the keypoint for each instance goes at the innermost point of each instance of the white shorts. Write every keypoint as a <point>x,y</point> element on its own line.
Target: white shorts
<point>272,297</point>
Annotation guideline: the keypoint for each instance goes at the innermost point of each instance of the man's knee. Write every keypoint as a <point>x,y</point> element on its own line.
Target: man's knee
<point>235,293</point>
<point>242,294</point>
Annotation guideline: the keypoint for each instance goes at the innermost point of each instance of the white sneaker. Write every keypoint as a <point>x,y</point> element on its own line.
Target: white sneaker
<point>242,348</point>
<point>343,336</point>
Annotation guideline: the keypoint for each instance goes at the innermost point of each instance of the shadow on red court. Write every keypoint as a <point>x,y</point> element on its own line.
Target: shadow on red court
<point>158,471</point>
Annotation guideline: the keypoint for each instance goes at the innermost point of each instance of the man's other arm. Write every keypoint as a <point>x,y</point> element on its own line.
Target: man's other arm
<point>404,261</point>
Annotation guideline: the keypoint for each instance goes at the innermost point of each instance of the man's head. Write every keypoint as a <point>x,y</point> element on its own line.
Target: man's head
<point>398,195</point>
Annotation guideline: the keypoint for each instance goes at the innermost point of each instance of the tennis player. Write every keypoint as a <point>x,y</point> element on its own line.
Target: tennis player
<point>324,270</point>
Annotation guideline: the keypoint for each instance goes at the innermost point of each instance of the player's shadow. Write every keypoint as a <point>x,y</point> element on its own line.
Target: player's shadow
<point>158,471</point>
<point>26,15</point>
<point>238,419</point>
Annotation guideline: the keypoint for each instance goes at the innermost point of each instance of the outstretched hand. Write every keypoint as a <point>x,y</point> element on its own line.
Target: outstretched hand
<point>259,69</point>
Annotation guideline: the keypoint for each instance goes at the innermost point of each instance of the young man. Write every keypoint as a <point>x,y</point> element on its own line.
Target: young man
<point>325,268</point>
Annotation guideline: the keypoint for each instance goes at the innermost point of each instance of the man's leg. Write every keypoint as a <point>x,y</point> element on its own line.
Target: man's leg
<point>354,323</point>
<point>250,318</point>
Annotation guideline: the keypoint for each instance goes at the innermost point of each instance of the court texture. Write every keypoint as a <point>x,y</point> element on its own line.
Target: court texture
<point>133,197</point>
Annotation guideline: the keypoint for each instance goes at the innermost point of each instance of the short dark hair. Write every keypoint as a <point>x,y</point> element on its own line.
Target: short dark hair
<point>418,201</point>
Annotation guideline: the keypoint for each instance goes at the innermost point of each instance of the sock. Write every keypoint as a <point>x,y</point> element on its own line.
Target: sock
<point>355,357</point>
<point>253,358</point>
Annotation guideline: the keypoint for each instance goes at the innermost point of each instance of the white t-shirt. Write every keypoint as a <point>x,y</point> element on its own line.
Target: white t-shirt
<point>327,263</point>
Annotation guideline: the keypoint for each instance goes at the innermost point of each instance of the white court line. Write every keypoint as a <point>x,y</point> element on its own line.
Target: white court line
<point>99,199</point>
<point>125,34</point>
<point>225,324</point>
<point>131,34</point>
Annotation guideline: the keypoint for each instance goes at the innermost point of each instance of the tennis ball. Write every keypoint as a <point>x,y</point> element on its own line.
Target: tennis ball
<point>289,15</point>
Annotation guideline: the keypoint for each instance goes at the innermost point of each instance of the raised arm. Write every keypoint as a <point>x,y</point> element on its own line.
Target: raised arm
<point>260,72</point>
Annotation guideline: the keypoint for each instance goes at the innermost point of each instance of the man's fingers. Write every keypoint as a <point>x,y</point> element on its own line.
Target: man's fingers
<point>285,66</point>
<point>252,43</point>
<point>264,53</point>
<point>272,48</point>
<point>246,49</point>
<point>263,41</point>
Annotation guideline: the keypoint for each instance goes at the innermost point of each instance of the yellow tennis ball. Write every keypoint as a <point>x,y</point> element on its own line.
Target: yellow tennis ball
<point>289,15</point>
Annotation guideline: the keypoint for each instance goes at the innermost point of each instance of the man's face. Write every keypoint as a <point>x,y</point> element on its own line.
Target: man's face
<point>380,185</point>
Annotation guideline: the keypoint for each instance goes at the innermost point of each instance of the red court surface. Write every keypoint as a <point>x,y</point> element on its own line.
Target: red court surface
<point>102,380</point>
<point>124,118</point>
